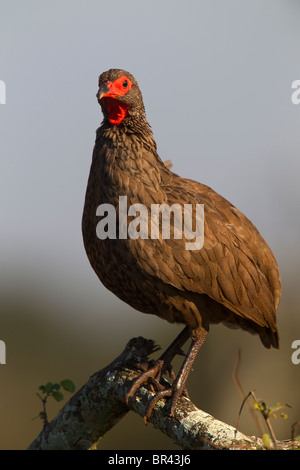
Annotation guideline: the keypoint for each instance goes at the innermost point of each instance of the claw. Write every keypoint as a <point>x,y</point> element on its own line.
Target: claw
<point>143,378</point>
<point>161,394</point>
<point>162,365</point>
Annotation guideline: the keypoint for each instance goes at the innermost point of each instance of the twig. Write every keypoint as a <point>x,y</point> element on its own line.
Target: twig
<point>43,413</point>
<point>237,382</point>
<point>293,429</point>
<point>264,413</point>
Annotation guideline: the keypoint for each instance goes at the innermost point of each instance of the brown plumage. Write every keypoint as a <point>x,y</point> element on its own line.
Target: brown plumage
<point>232,279</point>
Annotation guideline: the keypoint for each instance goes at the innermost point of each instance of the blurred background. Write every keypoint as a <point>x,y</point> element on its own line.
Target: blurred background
<point>216,80</point>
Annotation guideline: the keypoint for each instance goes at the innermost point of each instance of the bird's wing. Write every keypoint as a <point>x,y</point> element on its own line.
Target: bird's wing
<point>227,268</point>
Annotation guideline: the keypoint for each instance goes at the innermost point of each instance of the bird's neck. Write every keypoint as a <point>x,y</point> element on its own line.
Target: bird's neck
<point>137,129</point>
<point>125,159</point>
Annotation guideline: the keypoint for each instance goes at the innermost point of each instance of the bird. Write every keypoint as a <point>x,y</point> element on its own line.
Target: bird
<point>233,278</point>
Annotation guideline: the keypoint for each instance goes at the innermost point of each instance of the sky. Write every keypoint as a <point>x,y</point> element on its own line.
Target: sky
<point>216,78</point>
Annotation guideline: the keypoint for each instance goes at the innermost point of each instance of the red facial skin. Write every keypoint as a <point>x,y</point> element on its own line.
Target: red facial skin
<point>117,110</point>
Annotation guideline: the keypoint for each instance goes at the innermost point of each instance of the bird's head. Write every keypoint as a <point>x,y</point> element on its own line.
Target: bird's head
<point>119,96</point>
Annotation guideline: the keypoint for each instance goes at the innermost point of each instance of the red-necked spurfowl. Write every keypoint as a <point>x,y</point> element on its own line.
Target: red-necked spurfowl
<point>232,279</point>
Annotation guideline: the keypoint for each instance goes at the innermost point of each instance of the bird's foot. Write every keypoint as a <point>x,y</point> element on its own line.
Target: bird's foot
<point>153,375</point>
<point>150,375</point>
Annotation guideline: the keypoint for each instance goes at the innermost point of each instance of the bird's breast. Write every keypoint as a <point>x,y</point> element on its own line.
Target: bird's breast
<point>122,177</point>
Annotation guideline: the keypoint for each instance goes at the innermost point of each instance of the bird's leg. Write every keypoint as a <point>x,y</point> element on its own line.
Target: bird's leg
<point>163,364</point>
<point>174,348</point>
<point>177,388</point>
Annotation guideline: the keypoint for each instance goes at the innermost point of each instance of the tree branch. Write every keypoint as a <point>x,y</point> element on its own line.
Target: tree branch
<point>99,405</point>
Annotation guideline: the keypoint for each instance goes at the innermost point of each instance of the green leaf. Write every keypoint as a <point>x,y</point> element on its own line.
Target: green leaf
<point>266,440</point>
<point>68,385</point>
<point>48,387</point>
<point>58,396</point>
<point>56,386</point>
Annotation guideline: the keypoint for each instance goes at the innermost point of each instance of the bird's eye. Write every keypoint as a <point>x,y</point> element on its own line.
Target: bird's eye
<point>125,84</point>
